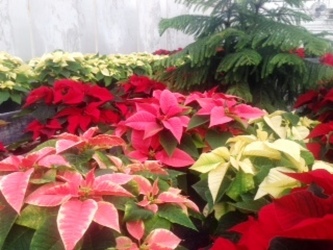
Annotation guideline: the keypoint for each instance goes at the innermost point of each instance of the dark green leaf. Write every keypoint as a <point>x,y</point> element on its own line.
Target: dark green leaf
<point>197,120</point>
<point>156,222</point>
<point>242,183</point>
<point>168,141</point>
<point>251,206</point>
<point>7,219</point>
<point>216,138</point>
<point>175,214</point>
<point>134,212</point>
<point>4,96</point>
<point>19,238</point>
<point>47,236</point>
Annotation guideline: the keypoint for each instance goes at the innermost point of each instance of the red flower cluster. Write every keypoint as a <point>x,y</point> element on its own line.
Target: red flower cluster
<point>327,59</point>
<point>318,105</point>
<point>299,52</point>
<point>73,106</point>
<point>166,52</point>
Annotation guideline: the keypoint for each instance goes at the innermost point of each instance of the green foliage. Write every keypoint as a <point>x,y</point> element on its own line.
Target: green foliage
<point>247,45</point>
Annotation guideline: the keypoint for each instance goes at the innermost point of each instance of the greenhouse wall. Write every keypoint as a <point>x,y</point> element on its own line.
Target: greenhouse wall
<point>30,28</point>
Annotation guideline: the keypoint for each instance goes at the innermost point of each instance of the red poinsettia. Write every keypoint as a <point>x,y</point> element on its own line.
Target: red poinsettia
<point>303,214</point>
<point>327,59</point>
<point>70,106</point>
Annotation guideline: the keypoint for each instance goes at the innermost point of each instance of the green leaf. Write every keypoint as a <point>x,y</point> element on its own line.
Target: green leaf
<point>80,162</point>
<point>47,236</point>
<point>156,222</point>
<point>292,118</point>
<point>187,144</point>
<point>252,205</point>
<point>33,216</point>
<point>175,214</point>
<point>16,98</point>
<point>217,139</point>
<point>134,212</point>
<point>197,120</point>
<point>308,157</point>
<point>7,219</point>
<point>211,160</point>
<point>4,96</point>
<point>242,184</point>
<point>49,143</point>
<point>168,142</point>
<point>44,112</point>
<point>19,238</point>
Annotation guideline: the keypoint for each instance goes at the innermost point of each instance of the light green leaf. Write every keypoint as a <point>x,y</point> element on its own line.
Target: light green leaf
<point>275,123</point>
<point>242,184</point>
<point>211,160</point>
<point>261,149</point>
<point>276,182</point>
<point>215,178</point>
<point>290,148</point>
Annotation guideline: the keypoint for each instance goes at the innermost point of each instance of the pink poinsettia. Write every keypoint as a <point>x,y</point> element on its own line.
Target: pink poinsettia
<point>87,139</point>
<point>152,197</point>
<point>151,149</point>
<point>14,185</point>
<point>158,239</point>
<point>81,202</point>
<point>159,113</point>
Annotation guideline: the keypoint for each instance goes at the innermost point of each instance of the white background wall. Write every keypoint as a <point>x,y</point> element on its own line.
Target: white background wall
<point>30,28</point>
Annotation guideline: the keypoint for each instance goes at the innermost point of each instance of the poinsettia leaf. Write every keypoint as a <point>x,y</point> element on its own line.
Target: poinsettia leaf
<point>73,220</point>
<point>179,158</point>
<point>175,126</point>
<point>134,213</point>
<point>34,216</point>
<point>144,121</point>
<point>261,149</point>
<point>211,160</point>
<point>44,112</point>
<point>168,103</point>
<point>51,194</point>
<point>216,138</point>
<point>168,142</point>
<point>136,229</point>
<point>14,186</point>
<point>106,141</point>
<point>306,98</point>
<point>8,217</point>
<point>47,236</point>
<point>215,178</point>
<point>19,238</point>
<point>156,222</point>
<point>160,239</point>
<point>252,205</point>
<point>197,120</point>
<point>218,116</point>
<point>242,183</point>
<point>107,215</point>
<point>187,144</point>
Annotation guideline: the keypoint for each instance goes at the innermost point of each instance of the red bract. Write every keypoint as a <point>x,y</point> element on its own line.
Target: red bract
<point>299,215</point>
<point>42,93</point>
<point>81,202</point>
<point>299,52</point>
<point>327,59</point>
<point>141,86</point>
<point>40,130</point>
<point>68,92</point>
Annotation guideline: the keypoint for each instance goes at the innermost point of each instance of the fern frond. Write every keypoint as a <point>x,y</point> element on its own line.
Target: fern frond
<point>287,37</point>
<point>245,57</point>
<point>285,59</point>
<point>189,24</point>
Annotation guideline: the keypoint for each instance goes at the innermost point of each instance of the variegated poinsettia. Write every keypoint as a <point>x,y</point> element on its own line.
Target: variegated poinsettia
<point>73,183</point>
<point>251,166</point>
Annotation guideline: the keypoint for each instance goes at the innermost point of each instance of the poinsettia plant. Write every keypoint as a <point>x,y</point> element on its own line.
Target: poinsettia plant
<point>300,219</point>
<point>72,193</point>
<point>317,104</point>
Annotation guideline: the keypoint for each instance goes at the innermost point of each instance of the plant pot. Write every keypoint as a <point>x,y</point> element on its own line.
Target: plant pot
<point>13,130</point>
